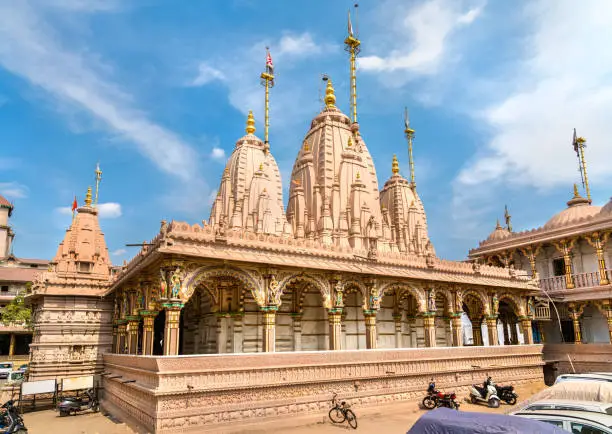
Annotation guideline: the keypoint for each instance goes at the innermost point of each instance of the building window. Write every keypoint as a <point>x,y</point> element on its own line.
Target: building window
<point>4,288</point>
<point>85,267</point>
<point>559,267</point>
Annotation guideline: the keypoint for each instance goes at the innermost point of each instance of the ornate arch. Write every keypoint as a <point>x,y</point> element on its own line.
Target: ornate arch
<point>251,281</point>
<point>480,296</point>
<point>403,290</point>
<point>321,285</point>
<point>514,302</point>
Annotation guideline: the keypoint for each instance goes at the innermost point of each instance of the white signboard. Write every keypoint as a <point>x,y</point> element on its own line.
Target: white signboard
<point>76,383</point>
<point>36,387</point>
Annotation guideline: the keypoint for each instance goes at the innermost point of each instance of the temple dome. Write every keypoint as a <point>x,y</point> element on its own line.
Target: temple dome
<point>499,233</point>
<point>404,215</point>
<point>251,195</point>
<point>333,196</point>
<point>578,208</point>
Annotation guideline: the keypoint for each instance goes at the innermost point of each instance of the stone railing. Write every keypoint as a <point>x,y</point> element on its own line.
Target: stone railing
<point>173,394</point>
<point>581,280</point>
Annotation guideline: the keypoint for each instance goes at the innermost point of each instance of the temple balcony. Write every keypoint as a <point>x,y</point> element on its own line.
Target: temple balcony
<point>581,280</point>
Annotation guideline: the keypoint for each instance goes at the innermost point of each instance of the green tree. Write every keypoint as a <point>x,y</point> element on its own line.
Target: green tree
<point>16,312</point>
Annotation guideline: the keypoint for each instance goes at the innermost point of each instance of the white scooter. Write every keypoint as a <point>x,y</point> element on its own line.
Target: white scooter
<point>487,394</point>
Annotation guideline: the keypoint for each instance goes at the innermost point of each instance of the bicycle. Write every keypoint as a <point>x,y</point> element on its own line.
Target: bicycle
<point>341,412</point>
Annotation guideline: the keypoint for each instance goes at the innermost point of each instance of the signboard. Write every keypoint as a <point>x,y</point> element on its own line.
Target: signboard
<point>37,387</point>
<point>76,383</point>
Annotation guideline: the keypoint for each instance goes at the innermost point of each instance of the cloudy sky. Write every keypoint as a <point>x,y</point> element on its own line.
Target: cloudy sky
<point>157,91</point>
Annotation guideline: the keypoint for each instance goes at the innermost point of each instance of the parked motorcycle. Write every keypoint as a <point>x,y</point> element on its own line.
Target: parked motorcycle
<point>10,419</point>
<point>506,394</point>
<point>435,398</point>
<point>73,405</point>
<point>487,393</point>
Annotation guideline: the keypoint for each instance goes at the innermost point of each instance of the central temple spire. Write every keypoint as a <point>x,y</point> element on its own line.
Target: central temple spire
<point>352,45</point>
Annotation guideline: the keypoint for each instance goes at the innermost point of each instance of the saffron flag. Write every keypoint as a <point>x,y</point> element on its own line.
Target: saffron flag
<point>74,204</point>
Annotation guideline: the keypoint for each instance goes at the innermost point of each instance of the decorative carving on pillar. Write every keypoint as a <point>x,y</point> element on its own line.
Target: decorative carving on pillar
<point>598,241</point>
<point>527,330</point>
<point>269,330</point>
<point>575,311</point>
<point>565,247</point>
<point>492,330</point>
<point>531,254</point>
<point>371,334</point>
<point>429,322</point>
<point>171,329</point>
<point>457,330</point>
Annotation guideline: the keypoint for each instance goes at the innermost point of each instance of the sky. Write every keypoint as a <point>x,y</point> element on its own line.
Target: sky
<point>157,92</point>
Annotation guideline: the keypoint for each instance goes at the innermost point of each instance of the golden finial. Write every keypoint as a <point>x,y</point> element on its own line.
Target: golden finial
<point>250,128</point>
<point>576,194</point>
<point>306,146</point>
<point>261,167</point>
<point>395,165</point>
<point>350,142</point>
<point>88,197</point>
<point>330,97</point>
<point>358,176</point>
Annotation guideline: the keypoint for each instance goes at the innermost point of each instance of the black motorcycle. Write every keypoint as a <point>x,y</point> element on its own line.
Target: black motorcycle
<point>435,398</point>
<point>507,394</point>
<point>10,419</point>
<point>74,405</point>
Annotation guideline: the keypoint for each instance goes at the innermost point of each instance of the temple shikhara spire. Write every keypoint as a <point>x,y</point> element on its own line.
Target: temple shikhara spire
<point>267,81</point>
<point>353,46</point>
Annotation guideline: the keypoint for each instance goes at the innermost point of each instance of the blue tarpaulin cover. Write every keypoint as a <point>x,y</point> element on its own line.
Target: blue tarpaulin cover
<point>446,421</point>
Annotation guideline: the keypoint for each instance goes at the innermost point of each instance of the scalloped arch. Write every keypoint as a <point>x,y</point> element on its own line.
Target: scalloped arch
<point>193,279</point>
<point>486,309</point>
<point>402,289</point>
<point>317,282</point>
<point>514,302</point>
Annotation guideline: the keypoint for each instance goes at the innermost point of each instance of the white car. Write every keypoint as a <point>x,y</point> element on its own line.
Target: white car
<point>568,405</point>
<point>576,422</point>
<point>584,377</point>
<point>5,369</point>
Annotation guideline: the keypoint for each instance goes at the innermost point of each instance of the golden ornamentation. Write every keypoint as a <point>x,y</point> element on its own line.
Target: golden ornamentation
<point>250,128</point>
<point>395,165</point>
<point>88,197</point>
<point>330,97</point>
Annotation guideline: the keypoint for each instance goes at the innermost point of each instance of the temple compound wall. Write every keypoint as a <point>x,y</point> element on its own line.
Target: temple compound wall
<point>182,394</point>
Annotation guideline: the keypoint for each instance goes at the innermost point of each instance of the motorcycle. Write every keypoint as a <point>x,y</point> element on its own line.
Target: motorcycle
<point>506,394</point>
<point>80,403</point>
<point>435,398</point>
<point>10,419</point>
<point>487,393</point>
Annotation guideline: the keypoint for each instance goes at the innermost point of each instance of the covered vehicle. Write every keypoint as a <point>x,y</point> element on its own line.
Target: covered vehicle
<point>447,421</point>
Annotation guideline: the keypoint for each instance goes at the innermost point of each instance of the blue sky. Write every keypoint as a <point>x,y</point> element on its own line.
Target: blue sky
<point>157,91</point>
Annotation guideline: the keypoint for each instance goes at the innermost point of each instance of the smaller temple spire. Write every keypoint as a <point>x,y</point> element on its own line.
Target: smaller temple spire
<point>330,96</point>
<point>250,125</point>
<point>498,226</point>
<point>88,198</point>
<point>395,165</point>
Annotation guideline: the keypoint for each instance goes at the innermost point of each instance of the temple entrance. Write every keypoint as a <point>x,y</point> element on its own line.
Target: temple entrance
<point>353,321</point>
<point>508,325</point>
<point>158,333</point>
<point>474,309</point>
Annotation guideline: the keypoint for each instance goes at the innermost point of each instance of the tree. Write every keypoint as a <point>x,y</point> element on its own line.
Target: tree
<point>16,312</point>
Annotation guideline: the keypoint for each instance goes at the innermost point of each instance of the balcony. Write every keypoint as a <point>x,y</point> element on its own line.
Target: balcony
<point>581,280</point>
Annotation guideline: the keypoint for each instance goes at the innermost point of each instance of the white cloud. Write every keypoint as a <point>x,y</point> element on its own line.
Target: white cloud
<point>63,210</point>
<point>13,190</point>
<point>31,48</point>
<point>207,74</point>
<point>119,252</point>
<point>218,154</point>
<point>557,91</point>
<point>427,27</point>
<point>109,210</point>
<point>302,44</point>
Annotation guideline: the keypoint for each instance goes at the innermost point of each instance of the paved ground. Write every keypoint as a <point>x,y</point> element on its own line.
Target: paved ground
<point>394,418</point>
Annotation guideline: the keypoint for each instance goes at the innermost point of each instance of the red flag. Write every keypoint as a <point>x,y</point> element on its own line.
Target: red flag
<point>74,204</point>
<point>269,64</point>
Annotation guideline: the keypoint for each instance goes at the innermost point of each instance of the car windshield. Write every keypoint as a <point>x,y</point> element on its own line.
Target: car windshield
<point>6,365</point>
<point>584,379</point>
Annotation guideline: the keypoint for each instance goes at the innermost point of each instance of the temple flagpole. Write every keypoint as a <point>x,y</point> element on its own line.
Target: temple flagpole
<point>352,45</point>
<point>267,80</point>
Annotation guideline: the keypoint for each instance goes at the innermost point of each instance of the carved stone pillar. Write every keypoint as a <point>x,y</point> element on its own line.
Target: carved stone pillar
<point>132,332</point>
<point>335,329</point>
<point>411,321</point>
<point>531,254</point>
<point>221,331</point>
<point>492,330</point>
<point>429,324</point>
<point>477,332</point>
<point>527,331</point>
<point>598,242</point>
<point>148,333</point>
<point>513,333</point>
<point>371,335</point>
<point>565,247</point>
<point>457,330</point>
<point>238,338</point>
<point>398,330</point>
<point>505,328</point>
<point>171,329</point>
<point>269,331</point>
<point>122,333</point>
<point>12,345</point>
<point>610,326</point>
<point>575,312</point>
<point>297,332</point>
<point>115,347</point>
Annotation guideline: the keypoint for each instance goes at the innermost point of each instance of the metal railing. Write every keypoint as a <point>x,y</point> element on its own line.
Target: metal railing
<point>581,280</point>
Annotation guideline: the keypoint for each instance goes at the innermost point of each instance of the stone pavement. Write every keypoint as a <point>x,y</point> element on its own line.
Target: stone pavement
<point>389,419</point>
